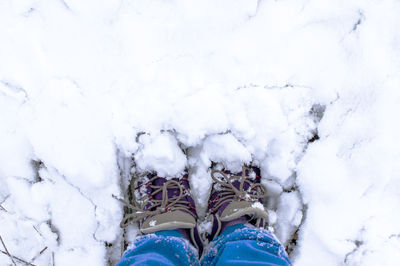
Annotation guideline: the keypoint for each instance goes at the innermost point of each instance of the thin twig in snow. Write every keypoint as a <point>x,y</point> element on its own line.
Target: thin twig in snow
<point>34,227</point>
<point>19,259</point>
<point>1,207</point>
<point>7,253</point>
<point>40,253</point>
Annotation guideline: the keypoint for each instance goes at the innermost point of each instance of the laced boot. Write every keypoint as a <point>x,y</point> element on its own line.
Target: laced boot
<point>161,204</point>
<point>236,198</point>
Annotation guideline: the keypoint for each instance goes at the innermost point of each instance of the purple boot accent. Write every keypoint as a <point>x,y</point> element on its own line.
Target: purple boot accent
<point>236,198</point>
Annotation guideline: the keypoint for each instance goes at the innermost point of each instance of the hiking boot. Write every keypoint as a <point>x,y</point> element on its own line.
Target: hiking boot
<point>160,204</point>
<point>236,198</point>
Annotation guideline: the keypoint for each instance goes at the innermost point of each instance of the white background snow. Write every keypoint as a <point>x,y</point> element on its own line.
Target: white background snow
<point>92,91</point>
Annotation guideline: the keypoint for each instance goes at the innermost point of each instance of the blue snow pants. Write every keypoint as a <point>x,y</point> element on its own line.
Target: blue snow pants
<point>238,244</point>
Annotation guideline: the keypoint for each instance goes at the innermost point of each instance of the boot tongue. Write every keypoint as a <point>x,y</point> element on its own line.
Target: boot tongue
<point>174,191</point>
<point>159,182</point>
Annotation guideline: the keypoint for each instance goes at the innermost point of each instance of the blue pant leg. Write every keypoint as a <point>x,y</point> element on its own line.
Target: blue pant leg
<point>162,248</point>
<point>241,245</point>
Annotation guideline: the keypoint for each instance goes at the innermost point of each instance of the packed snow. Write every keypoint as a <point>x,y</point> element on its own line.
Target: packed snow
<point>94,92</point>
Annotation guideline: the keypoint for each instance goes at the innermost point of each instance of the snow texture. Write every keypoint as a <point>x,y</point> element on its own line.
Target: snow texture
<point>93,92</point>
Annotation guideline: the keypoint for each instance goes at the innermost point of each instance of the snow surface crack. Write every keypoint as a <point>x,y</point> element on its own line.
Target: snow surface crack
<point>66,5</point>
<point>360,20</point>
<point>358,244</point>
<point>13,91</point>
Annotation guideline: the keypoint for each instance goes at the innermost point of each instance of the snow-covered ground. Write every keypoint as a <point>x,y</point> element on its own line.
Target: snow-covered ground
<point>93,91</point>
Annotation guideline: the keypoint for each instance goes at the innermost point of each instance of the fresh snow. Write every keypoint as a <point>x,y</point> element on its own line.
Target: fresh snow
<point>93,92</point>
<point>258,205</point>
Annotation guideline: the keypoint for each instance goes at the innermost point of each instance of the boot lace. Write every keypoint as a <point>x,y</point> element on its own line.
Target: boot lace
<point>141,211</point>
<point>230,192</point>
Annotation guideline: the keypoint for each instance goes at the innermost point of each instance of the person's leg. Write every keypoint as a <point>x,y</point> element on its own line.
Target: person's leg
<point>245,245</point>
<point>235,202</point>
<point>162,248</point>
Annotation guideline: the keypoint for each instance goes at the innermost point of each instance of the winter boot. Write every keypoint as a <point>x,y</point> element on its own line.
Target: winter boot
<point>162,204</point>
<point>236,198</point>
